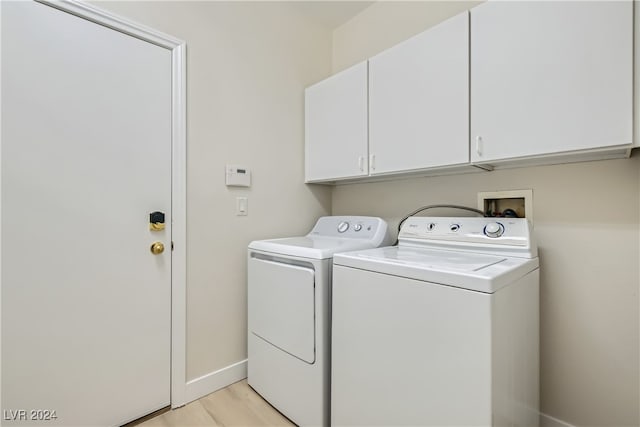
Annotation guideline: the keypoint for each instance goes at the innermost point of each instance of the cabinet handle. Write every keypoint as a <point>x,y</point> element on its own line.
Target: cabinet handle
<point>479,145</point>
<point>372,162</point>
<point>361,163</point>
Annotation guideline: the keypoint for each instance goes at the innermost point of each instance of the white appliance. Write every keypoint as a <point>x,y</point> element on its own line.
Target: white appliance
<point>289,297</point>
<point>441,330</point>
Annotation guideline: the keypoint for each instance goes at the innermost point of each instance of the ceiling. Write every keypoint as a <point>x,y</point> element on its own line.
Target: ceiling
<point>329,13</point>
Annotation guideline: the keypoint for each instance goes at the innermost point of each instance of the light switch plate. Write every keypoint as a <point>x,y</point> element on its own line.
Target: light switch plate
<point>242,206</point>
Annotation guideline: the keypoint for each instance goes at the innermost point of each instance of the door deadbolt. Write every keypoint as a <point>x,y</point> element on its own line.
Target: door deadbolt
<point>156,221</point>
<point>157,248</point>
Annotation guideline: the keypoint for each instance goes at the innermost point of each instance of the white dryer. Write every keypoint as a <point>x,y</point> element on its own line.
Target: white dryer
<point>289,313</point>
<point>441,330</point>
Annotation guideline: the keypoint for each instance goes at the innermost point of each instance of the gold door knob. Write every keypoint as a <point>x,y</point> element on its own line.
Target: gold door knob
<point>157,248</point>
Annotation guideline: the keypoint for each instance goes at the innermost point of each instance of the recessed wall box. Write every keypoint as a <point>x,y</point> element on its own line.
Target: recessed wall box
<point>517,203</point>
<point>238,176</point>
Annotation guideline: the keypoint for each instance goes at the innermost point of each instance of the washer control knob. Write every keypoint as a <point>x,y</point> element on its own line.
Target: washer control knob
<point>357,227</point>
<point>343,226</point>
<point>493,229</point>
<point>431,226</point>
<point>454,227</point>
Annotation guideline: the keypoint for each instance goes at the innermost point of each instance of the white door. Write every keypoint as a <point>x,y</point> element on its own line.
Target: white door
<point>86,157</point>
<point>550,77</point>
<point>419,100</point>
<point>336,134</point>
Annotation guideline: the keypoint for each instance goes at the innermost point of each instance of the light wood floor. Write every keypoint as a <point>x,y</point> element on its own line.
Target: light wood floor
<point>236,405</point>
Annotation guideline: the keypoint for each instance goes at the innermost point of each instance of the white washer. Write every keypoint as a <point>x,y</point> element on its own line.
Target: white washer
<point>441,330</point>
<point>289,313</point>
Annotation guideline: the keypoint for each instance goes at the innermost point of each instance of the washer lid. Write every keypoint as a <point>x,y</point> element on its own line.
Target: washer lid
<point>473,271</point>
<point>314,247</point>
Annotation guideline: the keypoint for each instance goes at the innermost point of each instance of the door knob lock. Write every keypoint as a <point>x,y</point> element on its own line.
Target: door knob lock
<point>157,248</point>
<point>156,221</point>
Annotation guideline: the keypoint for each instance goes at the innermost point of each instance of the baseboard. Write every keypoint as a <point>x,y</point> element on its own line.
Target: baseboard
<point>206,384</point>
<point>549,421</point>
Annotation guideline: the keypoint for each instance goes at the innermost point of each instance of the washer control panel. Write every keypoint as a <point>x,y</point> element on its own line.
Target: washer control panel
<point>483,231</point>
<point>362,227</point>
<point>494,229</point>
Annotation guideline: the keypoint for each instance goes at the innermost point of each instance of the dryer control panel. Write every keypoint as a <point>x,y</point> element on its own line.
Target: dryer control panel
<point>504,235</point>
<point>358,227</point>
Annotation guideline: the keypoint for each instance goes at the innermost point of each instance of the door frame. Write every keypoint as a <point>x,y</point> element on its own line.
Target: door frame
<point>178,172</point>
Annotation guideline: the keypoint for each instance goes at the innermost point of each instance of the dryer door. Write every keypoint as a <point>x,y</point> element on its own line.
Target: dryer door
<point>282,306</point>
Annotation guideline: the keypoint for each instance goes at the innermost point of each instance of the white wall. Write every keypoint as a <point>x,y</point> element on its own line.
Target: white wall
<point>248,64</point>
<point>587,220</point>
<point>385,24</point>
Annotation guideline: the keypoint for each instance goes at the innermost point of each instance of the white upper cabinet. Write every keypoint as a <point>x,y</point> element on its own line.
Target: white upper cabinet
<point>419,101</point>
<point>336,126</point>
<point>517,83</point>
<point>550,78</point>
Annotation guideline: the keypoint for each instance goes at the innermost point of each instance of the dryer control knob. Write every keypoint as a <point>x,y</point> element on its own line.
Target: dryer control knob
<point>357,227</point>
<point>343,226</point>
<point>493,229</point>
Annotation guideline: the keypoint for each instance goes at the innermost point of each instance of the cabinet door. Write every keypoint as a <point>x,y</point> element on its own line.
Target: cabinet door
<point>550,77</point>
<point>419,100</point>
<point>336,126</point>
